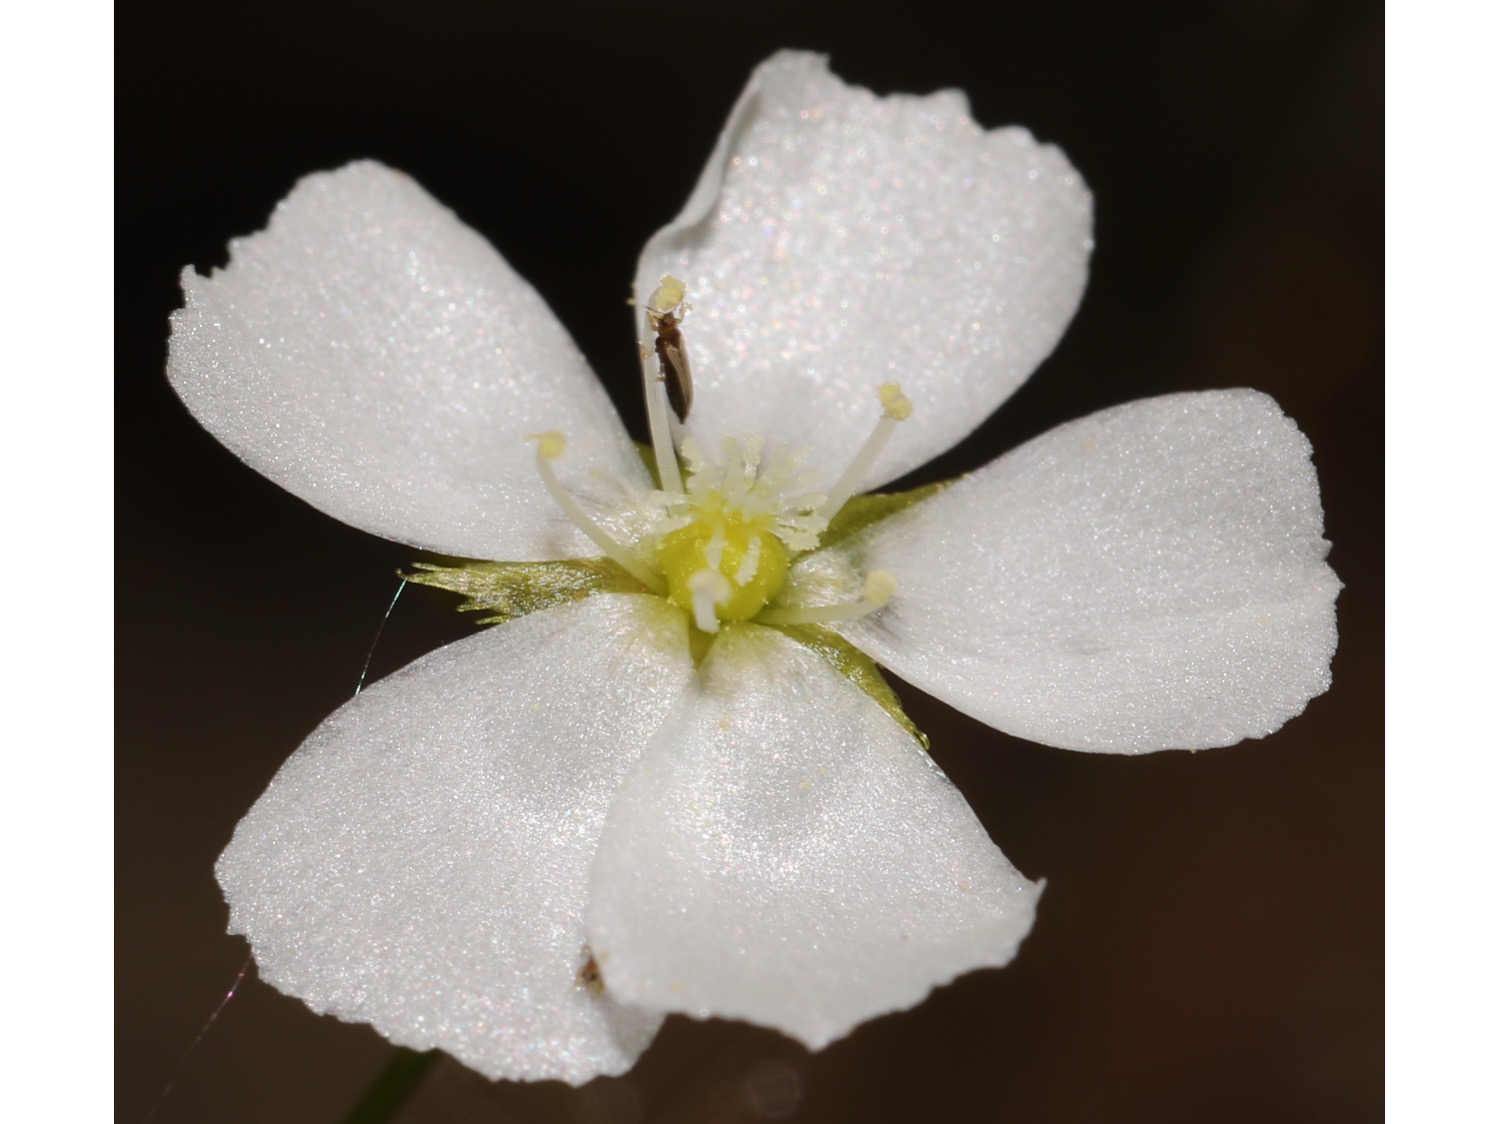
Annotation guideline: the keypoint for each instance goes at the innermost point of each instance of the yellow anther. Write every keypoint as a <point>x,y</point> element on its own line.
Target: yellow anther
<point>897,405</point>
<point>879,587</point>
<point>549,445</point>
<point>667,296</point>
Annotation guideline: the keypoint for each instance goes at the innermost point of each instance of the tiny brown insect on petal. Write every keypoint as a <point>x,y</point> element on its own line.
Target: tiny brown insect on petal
<point>589,975</point>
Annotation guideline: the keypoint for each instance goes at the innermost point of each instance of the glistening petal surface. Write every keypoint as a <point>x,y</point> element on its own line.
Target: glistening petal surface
<point>837,241</point>
<point>1149,577</point>
<point>784,853</point>
<point>421,863</point>
<point>371,354</point>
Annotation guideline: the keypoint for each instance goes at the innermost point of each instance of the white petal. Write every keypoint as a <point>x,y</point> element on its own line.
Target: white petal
<point>1146,578</point>
<point>421,862</point>
<point>838,241</point>
<point>785,853</point>
<point>371,354</point>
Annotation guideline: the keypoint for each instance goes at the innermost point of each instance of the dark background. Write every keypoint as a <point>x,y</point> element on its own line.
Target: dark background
<point>1210,944</point>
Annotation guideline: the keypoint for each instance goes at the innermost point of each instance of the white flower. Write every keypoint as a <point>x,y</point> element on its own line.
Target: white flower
<point>686,790</point>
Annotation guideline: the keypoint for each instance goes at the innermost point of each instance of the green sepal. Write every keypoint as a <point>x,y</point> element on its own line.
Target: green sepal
<point>864,511</point>
<point>507,590</point>
<point>857,668</point>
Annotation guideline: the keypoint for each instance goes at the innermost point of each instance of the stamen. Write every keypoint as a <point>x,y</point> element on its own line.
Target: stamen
<point>879,587</point>
<point>668,295</point>
<point>550,446</point>
<point>897,409</point>
<point>709,588</point>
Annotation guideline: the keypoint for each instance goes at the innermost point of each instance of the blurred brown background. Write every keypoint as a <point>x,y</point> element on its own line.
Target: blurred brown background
<point>1210,944</point>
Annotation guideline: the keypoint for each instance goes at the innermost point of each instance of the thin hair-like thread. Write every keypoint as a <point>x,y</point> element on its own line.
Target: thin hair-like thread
<point>379,632</point>
<point>166,1090</point>
<point>239,977</point>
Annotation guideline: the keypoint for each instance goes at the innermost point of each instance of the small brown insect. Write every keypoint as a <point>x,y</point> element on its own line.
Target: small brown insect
<point>661,316</point>
<point>589,975</point>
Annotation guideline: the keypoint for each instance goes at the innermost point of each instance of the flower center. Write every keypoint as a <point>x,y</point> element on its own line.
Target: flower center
<point>727,538</point>
<point>718,540</point>
<point>727,568</point>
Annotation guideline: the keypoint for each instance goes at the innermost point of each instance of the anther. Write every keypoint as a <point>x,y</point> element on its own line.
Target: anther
<point>667,296</point>
<point>892,398</point>
<point>549,445</point>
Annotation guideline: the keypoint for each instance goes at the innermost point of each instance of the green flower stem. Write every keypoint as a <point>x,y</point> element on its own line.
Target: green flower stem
<point>392,1087</point>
